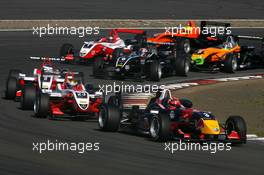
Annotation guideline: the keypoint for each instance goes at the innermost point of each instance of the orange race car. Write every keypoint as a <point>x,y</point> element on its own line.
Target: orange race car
<point>228,56</point>
<point>194,37</point>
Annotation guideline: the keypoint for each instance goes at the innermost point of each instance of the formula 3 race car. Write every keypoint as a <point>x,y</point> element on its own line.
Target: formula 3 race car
<point>229,56</point>
<point>72,100</point>
<point>195,37</point>
<point>23,88</point>
<point>165,118</point>
<point>103,47</point>
<point>149,62</point>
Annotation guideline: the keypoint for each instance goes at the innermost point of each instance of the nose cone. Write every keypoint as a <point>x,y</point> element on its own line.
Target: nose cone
<point>210,127</point>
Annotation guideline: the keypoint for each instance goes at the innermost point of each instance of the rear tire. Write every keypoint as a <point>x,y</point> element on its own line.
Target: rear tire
<point>109,118</point>
<point>182,65</point>
<point>42,106</point>
<point>230,63</point>
<point>11,88</point>
<point>14,73</point>
<point>238,124</point>
<point>155,73</point>
<point>160,128</point>
<point>28,96</point>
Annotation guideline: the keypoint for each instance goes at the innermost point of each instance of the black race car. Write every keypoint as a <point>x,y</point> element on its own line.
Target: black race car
<point>164,118</point>
<point>148,61</point>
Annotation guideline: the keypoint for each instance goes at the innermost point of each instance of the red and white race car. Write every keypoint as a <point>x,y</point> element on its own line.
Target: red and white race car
<point>23,88</point>
<point>71,98</point>
<point>103,47</point>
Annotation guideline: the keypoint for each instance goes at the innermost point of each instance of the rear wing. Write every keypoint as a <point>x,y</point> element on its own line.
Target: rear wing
<point>254,38</point>
<point>132,31</point>
<point>208,24</point>
<point>214,24</point>
<point>46,58</point>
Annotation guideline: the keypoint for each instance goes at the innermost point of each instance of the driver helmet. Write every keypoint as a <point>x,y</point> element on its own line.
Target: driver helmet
<point>111,39</point>
<point>70,82</point>
<point>47,68</point>
<point>143,52</point>
<point>174,102</point>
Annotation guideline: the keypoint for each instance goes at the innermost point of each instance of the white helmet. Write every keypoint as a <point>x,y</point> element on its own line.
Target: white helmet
<point>47,69</point>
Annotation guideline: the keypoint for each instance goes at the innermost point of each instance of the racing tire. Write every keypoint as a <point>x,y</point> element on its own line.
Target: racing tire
<point>187,46</point>
<point>42,106</point>
<point>184,45</point>
<point>155,72</point>
<point>11,88</point>
<point>182,64</point>
<point>160,128</point>
<point>238,124</point>
<point>230,63</point>
<point>109,118</point>
<point>28,96</point>
<point>116,101</point>
<point>14,73</point>
<point>98,66</point>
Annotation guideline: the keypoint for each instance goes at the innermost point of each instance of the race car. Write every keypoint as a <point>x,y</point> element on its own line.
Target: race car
<point>23,88</point>
<point>72,99</point>
<point>195,37</point>
<point>103,47</point>
<point>165,118</point>
<point>229,56</point>
<point>150,62</point>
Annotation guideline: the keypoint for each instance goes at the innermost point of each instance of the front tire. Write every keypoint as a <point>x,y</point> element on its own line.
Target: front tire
<point>230,63</point>
<point>238,124</point>
<point>109,118</point>
<point>11,88</point>
<point>155,70</point>
<point>28,96</point>
<point>160,128</point>
<point>42,106</point>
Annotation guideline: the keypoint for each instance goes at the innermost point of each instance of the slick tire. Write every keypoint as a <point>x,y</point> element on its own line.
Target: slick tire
<point>28,96</point>
<point>160,128</point>
<point>109,118</point>
<point>238,124</point>
<point>230,63</point>
<point>14,73</point>
<point>155,72</point>
<point>184,45</point>
<point>42,106</point>
<point>11,88</point>
<point>182,65</point>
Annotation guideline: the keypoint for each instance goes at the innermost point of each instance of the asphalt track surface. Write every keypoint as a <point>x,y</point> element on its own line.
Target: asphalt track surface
<point>120,153</point>
<point>131,9</point>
